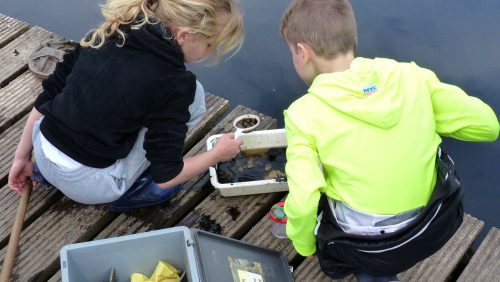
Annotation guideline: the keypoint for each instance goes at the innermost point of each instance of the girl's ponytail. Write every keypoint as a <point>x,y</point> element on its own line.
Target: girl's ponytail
<point>117,13</point>
<point>198,15</point>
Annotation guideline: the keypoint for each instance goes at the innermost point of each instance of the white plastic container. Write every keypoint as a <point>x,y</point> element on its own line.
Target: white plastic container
<point>262,139</point>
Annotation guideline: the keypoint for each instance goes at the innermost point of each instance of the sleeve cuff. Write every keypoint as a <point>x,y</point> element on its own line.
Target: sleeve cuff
<point>304,249</point>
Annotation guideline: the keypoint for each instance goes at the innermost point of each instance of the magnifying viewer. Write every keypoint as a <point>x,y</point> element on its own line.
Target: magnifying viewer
<point>245,123</point>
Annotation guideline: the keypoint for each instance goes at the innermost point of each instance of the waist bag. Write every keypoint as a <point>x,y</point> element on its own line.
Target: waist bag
<point>388,254</point>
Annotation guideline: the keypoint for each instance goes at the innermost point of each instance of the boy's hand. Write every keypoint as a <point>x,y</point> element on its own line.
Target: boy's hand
<point>20,170</point>
<point>227,147</point>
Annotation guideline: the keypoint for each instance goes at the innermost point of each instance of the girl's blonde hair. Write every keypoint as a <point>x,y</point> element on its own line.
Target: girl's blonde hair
<point>198,15</point>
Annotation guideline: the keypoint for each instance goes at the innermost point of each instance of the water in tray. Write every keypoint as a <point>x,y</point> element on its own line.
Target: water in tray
<point>254,165</point>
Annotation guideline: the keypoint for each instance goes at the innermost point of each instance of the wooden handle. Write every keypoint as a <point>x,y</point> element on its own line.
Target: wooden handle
<point>10,255</point>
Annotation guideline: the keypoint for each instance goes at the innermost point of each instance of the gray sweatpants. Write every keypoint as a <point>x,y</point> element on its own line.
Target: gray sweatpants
<point>90,185</point>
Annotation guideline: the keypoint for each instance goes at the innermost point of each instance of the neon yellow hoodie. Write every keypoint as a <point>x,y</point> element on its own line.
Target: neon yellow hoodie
<point>374,129</point>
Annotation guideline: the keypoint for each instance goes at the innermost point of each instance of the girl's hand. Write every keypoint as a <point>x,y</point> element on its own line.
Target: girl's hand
<point>227,147</point>
<point>20,170</point>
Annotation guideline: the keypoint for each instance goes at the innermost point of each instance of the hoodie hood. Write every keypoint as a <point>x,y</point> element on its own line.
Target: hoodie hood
<point>156,39</point>
<point>367,91</point>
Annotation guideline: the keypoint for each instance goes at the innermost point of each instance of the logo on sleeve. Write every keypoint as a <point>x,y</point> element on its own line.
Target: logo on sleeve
<point>370,89</point>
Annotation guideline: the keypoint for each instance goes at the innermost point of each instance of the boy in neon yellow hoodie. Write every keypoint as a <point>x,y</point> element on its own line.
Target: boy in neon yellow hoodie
<point>366,137</point>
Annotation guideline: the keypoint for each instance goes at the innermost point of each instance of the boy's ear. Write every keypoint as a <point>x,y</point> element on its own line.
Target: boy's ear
<point>304,51</point>
<point>181,35</point>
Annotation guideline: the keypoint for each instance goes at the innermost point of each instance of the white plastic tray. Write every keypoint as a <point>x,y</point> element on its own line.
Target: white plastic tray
<point>263,139</point>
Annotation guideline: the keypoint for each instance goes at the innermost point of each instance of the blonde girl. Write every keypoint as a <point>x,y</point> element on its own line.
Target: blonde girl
<point>116,109</point>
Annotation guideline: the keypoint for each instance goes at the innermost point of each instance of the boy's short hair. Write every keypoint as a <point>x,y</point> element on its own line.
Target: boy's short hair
<point>327,26</point>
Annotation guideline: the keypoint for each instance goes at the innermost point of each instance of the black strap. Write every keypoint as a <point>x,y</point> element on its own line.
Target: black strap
<point>448,187</point>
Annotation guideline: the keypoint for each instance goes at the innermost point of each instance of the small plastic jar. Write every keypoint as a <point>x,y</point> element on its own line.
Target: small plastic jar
<point>279,219</point>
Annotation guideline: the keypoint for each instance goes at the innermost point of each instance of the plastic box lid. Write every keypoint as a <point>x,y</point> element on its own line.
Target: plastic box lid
<point>225,259</point>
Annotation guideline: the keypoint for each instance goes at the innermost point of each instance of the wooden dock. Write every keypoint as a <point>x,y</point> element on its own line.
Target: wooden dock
<point>53,220</point>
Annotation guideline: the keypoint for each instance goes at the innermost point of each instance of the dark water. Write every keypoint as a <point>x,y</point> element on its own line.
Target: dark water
<point>251,166</point>
<point>458,39</point>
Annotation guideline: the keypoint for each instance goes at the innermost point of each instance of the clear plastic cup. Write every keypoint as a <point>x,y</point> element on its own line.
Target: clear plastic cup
<point>279,219</point>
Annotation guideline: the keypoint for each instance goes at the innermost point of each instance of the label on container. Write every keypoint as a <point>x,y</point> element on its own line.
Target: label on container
<point>245,276</point>
<point>246,271</point>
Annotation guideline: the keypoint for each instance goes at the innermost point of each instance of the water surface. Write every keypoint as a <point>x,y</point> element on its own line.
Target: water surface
<point>458,39</point>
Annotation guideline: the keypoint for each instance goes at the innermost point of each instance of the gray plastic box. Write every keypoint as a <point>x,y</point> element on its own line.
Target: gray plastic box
<point>203,255</point>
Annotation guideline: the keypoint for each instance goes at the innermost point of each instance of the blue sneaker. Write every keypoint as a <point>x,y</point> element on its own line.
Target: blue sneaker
<point>38,177</point>
<point>366,277</point>
<point>143,193</point>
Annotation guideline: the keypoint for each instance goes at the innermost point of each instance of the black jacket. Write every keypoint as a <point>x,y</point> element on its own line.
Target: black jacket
<point>97,100</point>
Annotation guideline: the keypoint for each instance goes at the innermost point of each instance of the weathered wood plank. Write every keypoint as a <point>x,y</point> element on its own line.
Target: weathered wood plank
<point>8,144</point>
<point>261,235</point>
<point>10,29</point>
<point>221,211</point>
<point>56,277</point>
<point>41,199</point>
<point>16,99</point>
<point>437,267</point>
<point>65,222</point>
<point>485,263</point>
<point>216,107</point>
<point>14,56</point>
<point>441,265</point>
<point>68,222</point>
<point>309,270</point>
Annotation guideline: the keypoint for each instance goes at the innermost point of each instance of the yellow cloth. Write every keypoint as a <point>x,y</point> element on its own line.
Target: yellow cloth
<point>164,272</point>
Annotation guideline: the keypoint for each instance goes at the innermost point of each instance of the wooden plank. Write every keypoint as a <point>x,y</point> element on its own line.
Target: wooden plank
<point>56,277</point>
<point>309,270</point>
<point>441,265</point>
<point>10,29</point>
<point>14,56</point>
<point>68,222</point>
<point>216,107</point>
<point>41,199</point>
<point>17,98</point>
<point>261,235</point>
<point>8,144</point>
<point>217,214</point>
<point>485,263</point>
<point>437,267</point>
<point>65,222</point>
